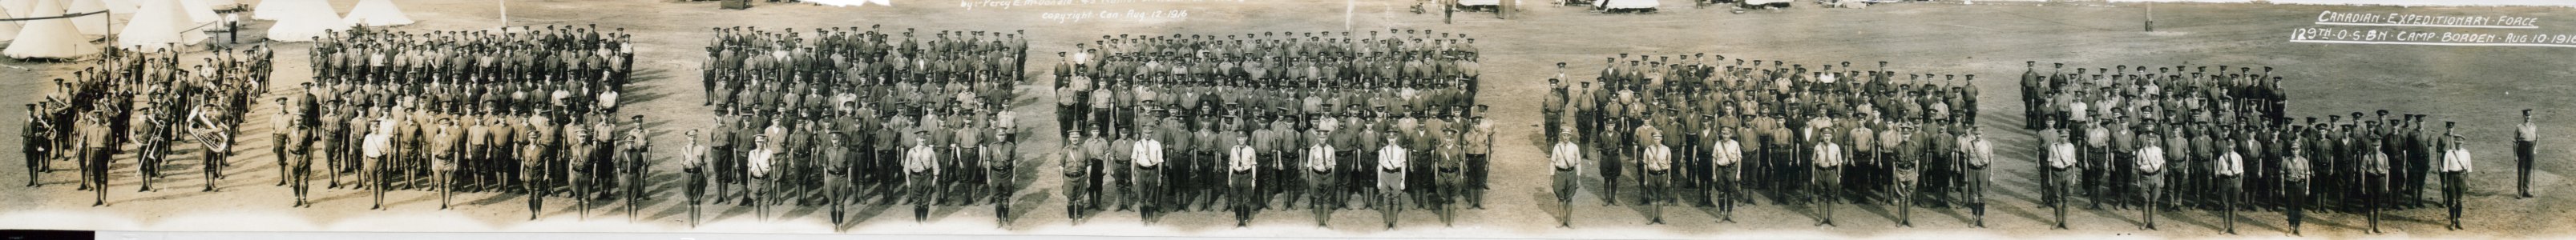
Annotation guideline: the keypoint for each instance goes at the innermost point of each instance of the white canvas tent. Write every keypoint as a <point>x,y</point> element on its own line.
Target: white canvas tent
<point>49,38</point>
<point>18,7</point>
<point>307,19</point>
<point>93,24</point>
<point>199,12</point>
<point>8,30</point>
<point>377,13</point>
<point>161,26</point>
<point>126,7</point>
<point>268,9</point>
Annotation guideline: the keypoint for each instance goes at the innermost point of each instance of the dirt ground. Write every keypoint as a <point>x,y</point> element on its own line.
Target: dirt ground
<point>2480,87</point>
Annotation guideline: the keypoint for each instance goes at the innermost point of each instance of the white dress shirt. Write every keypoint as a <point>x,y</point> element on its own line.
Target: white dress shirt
<point>2456,160</point>
<point>1566,156</point>
<point>1148,153</point>
<point>760,162</point>
<point>1320,157</point>
<point>1242,159</point>
<point>1659,157</point>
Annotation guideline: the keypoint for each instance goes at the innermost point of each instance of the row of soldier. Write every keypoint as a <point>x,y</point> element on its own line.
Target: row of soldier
<point>146,99</point>
<point>525,110</point>
<point>2365,166</point>
<point>2119,101</point>
<point>1263,121</point>
<point>1668,125</point>
<point>821,120</point>
<point>2109,106</point>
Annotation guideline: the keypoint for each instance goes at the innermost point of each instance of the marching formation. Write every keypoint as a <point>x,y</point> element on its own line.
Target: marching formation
<point>2188,137</point>
<point>840,116</point>
<point>1274,120</point>
<point>146,99</point>
<point>1694,130</point>
<point>527,110</point>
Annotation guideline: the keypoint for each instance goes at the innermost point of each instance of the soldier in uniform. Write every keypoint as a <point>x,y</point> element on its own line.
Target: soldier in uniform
<point>1658,161</point>
<point>38,137</point>
<point>1981,152</point>
<point>1001,155</point>
<point>1147,155</point>
<point>1390,179</point>
<point>2231,166</point>
<point>377,146</point>
<point>1828,176</point>
<point>2061,157</point>
<point>1906,169</point>
<point>921,171</point>
<point>1479,164</point>
<point>442,151</point>
<point>1567,158</point>
<point>1243,166</point>
<point>2295,175</point>
<point>298,145</point>
<point>1322,195</point>
<point>2523,138</point>
<point>1451,181</point>
<point>634,163</point>
<point>2374,175</point>
<point>2151,182</point>
<point>532,172</point>
<point>763,189</point>
<point>1725,156</point>
<point>1076,164</point>
<point>693,161</point>
<point>835,162</point>
<point>2455,168</point>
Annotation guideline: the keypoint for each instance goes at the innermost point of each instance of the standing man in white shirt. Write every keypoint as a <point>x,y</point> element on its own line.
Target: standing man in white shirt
<point>1723,157</point>
<point>693,162</point>
<point>1981,152</point>
<point>1658,162</point>
<point>2061,157</point>
<point>1567,159</point>
<point>1148,159</point>
<point>1828,177</point>
<point>1242,167</point>
<point>2231,168</point>
<point>919,164</point>
<point>2523,138</point>
<point>1390,179</point>
<point>2455,167</point>
<point>378,144</point>
<point>2151,167</point>
<point>1322,194</point>
<point>758,166</point>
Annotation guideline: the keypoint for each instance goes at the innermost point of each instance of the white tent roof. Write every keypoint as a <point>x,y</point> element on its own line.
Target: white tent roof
<point>126,7</point>
<point>93,24</point>
<point>307,19</point>
<point>199,12</point>
<point>49,38</point>
<point>18,7</point>
<point>269,9</point>
<point>160,26</point>
<point>8,30</point>
<point>377,13</point>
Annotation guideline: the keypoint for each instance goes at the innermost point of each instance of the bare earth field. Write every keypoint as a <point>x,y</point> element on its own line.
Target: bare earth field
<point>2481,87</point>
